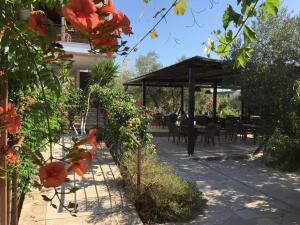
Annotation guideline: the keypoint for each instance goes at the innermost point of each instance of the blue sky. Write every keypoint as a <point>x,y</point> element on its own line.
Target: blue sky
<point>175,38</point>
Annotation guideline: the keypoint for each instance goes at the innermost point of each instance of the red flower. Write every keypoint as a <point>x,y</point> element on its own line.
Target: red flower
<point>121,21</point>
<point>90,139</point>
<point>109,8</point>
<point>52,174</point>
<point>142,111</point>
<point>10,120</point>
<point>78,167</point>
<point>106,114</point>
<point>11,156</point>
<point>37,22</point>
<point>104,41</point>
<point>82,15</point>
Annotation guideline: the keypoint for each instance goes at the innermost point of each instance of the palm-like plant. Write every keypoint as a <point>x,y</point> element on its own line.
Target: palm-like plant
<point>104,73</point>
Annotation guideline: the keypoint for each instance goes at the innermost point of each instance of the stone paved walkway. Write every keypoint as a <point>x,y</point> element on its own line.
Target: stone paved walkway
<point>239,192</point>
<point>100,199</point>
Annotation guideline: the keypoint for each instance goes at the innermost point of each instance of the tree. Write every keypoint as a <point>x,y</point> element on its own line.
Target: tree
<point>268,85</point>
<point>272,70</point>
<point>147,63</point>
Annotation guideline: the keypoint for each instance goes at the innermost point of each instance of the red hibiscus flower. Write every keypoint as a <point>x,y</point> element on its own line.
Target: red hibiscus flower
<point>52,174</point>
<point>37,21</point>
<point>82,15</point>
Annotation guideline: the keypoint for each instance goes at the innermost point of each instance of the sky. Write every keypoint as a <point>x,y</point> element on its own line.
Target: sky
<point>176,36</point>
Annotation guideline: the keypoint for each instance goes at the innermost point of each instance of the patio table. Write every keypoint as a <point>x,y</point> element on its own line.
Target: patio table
<point>251,128</point>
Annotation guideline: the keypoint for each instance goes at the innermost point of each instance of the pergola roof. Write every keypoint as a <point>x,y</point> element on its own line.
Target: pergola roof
<point>205,71</point>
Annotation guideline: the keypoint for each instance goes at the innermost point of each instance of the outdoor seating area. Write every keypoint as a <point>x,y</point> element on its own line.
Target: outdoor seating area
<point>226,129</point>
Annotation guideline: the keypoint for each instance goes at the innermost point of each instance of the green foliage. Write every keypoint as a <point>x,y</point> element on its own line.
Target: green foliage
<point>284,151</point>
<point>248,9</point>
<point>74,103</point>
<point>104,72</point>
<point>165,197</point>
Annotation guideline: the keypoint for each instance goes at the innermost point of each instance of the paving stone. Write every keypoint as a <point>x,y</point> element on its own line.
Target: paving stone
<point>265,221</point>
<point>246,214</point>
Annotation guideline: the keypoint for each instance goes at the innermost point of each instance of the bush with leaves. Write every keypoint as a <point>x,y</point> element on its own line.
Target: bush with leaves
<point>165,196</point>
<point>283,147</point>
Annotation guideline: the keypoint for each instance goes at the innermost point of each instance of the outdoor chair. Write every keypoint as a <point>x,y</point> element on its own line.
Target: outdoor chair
<point>183,131</point>
<point>230,129</point>
<point>211,131</point>
<point>242,131</point>
<point>173,131</point>
<point>201,120</point>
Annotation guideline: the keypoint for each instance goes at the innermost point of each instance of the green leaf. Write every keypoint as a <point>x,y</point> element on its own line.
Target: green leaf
<point>180,7</point>
<point>250,33</point>
<point>270,7</point>
<point>223,49</point>
<point>243,57</point>
<point>229,16</point>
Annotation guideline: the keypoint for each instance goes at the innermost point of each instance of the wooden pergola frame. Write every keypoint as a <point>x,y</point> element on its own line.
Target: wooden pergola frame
<point>191,73</point>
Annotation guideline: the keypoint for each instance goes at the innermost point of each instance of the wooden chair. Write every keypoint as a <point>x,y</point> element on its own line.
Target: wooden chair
<point>173,131</point>
<point>211,131</point>
<point>230,130</point>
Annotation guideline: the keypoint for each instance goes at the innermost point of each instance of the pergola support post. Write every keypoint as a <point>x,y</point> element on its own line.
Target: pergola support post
<point>242,106</point>
<point>191,131</point>
<point>182,99</point>
<point>215,93</point>
<point>144,93</point>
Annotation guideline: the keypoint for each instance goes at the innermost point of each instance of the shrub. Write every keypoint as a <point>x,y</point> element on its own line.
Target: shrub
<point>284,152</point>
<point>164,197</point>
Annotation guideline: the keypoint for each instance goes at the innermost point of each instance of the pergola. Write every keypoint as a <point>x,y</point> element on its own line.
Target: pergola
<point>191,73</point>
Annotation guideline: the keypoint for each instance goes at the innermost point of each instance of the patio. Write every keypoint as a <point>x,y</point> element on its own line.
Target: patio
<point>223,149</point>
<point>239,191</point>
